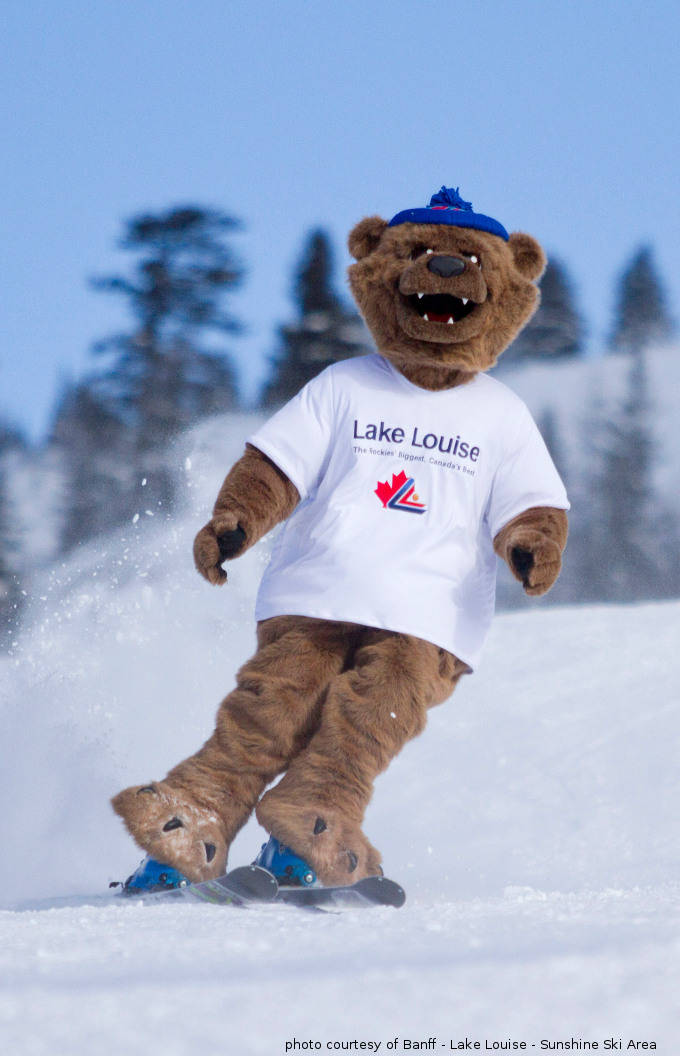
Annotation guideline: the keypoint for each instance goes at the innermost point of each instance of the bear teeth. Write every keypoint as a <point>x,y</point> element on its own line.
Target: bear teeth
<point>441,307</point>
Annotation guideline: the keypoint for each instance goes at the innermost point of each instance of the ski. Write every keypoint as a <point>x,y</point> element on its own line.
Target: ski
<point>298,885</point>
<point>372,891</point>
<point>243,886</point>
<point>248,885</point>
<point>251,884</point>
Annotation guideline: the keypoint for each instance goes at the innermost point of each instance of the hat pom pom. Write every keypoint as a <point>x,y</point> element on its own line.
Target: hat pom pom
<point>449,196</point>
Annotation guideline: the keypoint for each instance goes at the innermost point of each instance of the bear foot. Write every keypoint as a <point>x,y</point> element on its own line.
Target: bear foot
<point>334,846</point>
<point>174,829</point>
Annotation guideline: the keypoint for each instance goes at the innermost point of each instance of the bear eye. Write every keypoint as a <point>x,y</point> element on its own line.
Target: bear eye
<point>418,251</point>
<point>473,258</point>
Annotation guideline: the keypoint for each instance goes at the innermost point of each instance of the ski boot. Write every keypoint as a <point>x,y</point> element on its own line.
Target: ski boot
<point>289,870</point>
<point>150,876</point>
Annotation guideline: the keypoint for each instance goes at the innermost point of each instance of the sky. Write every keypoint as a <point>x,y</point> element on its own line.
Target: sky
<point>557,119</point>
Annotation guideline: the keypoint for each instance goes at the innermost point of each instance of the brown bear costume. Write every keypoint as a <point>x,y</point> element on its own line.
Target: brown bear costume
<point>330,697</point>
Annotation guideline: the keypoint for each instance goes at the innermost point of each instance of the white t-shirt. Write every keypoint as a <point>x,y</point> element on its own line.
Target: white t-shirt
<point>402,492</point>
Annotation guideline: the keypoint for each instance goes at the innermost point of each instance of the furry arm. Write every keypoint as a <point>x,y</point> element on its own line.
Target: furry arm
<point>255,496</point>
<point>532,545</point>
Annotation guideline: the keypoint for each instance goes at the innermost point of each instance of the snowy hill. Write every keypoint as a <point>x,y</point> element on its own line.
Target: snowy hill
<point>534,825</point>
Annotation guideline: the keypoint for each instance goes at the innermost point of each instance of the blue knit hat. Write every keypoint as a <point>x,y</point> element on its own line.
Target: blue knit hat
<point>447,207</point>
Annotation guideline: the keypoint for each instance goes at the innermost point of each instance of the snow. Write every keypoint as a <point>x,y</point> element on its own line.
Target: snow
<point>189,979</point>
<point>534,826</point>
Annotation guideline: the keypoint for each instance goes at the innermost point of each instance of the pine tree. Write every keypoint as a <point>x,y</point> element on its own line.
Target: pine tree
<point>169,370</point>
<point>96,446</point>
<point>557,330</point>
<point>627,538</point>
<point>325,329</point>
<point>629,541</point>
<point>641,316</point>
<point>165,372</point>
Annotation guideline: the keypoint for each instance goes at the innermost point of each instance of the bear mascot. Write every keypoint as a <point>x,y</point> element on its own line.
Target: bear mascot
<point>399,476</point>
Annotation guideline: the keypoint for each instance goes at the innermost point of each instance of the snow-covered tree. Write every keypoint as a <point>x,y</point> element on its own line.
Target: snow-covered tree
<point>325,329</point>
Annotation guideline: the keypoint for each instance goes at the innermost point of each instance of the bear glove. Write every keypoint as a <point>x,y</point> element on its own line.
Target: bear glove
<point>255,496</point>
<point>534,560</point>
<point>220,539</point>
<point>532,545</point>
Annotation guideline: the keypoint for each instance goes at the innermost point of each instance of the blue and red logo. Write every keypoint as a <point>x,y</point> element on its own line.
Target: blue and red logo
<point>400,494</point>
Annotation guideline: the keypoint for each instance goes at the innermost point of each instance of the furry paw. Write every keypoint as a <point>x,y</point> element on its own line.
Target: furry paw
<point>334,846</point>
<point>535,560</point>
<point>207,556</point>
<point>173,829</point>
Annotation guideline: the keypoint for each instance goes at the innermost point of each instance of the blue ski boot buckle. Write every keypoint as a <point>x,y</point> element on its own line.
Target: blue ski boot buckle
<point>289,870</point>
<point>150,876</point>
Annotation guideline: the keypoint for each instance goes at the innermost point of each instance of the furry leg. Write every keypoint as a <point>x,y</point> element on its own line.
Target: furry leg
<point>189,819</point>
<point>370,712</point>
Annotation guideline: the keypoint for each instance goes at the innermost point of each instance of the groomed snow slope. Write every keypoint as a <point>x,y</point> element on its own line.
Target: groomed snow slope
<point>534,825</point>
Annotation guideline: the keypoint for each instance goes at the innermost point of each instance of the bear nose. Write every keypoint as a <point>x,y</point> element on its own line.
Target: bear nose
<point>446,266</point>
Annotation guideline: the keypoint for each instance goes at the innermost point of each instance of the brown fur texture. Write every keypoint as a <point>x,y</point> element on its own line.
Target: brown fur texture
<point>370,712</point>
<point>330,704</point>
<point>178,828</point>
<point>392,266</point>
<point>295,700</point>
<point>254,497</point>
<point>260,726</point>
<point>532,545</point>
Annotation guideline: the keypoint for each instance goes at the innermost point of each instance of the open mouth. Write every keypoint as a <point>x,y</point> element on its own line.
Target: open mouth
<point>441,307</point>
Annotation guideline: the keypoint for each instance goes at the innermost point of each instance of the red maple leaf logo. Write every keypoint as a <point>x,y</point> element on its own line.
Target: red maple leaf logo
<point>385,491</point>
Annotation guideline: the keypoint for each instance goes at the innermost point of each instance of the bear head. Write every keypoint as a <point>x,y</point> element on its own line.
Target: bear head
<point>443,290</point>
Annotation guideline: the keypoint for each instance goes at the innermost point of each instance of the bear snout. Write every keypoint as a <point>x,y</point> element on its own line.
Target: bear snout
<point>446,266</point>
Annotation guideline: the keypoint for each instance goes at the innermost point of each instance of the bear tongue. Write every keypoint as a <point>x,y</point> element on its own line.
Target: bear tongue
<point>435,317</point>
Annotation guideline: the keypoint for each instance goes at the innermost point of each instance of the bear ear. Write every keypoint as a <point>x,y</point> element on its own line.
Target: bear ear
<point>364,236</point>
<point>528,256</point>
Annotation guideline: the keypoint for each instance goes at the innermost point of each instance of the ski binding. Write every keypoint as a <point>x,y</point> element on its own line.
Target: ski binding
<point>276,876</point>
